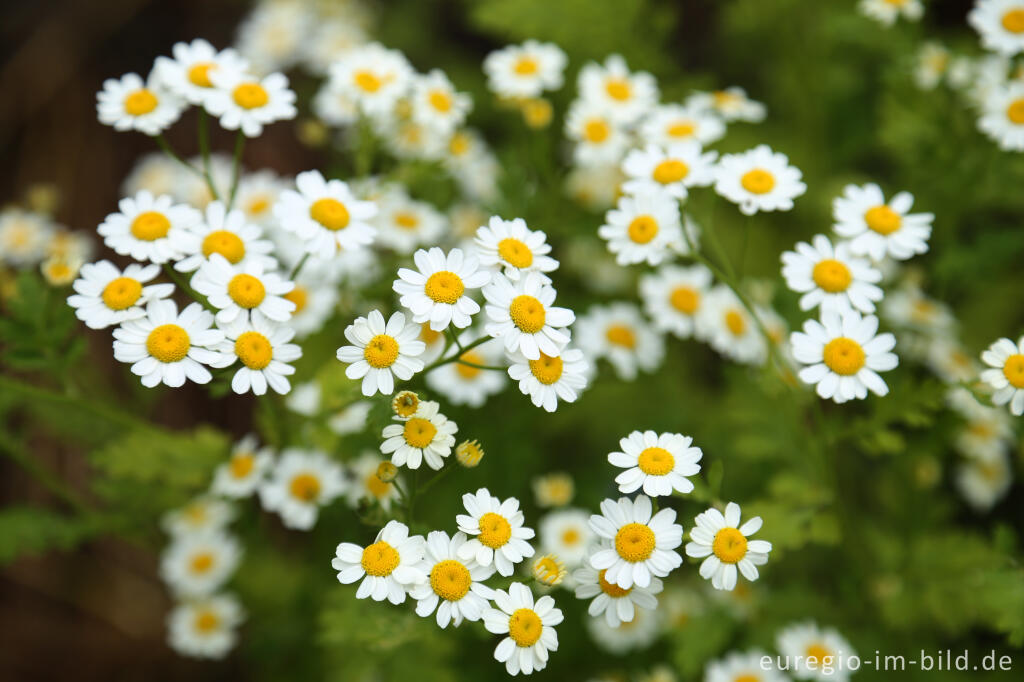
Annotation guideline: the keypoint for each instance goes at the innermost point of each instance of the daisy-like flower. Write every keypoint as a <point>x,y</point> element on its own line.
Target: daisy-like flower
<point>1002,117</point>
<point>497,534</point>
<point>437,291</point>
<point>673,297</point>
<point>876,228</point>
<point>983,481</point>
<point>950,362</point>
<point>197,565</point>
<point>107,296</point>
<point>468,453</point>
<point>933,63</point>
<point>241,291</point>
<point>1000,23</point>
<point>732,104</point>
<point>273,34</point>
<point>988,431</point>
<point>454,583</point>
<point>204,628</point>
<point>725,543</point>
<point>526,70</point>
<point>619,333</point>
<point>149,228</point>
<point>549,570</point>
<point>530,628</point>
<point>670,169</point>
<point>325,215</point>
<point>617,604</point>
<point>643,228</point>
<point>759,180</point>
<point>465,382</point>
<point>672,123</point>
<point>367,483</point>
<point>658,463</point>
<point>729,327</point>
<point>626,95</point>
<point>226,233</point>
<point>1006,376</point>
<point>641,546</point>
<point>843,355</point>
<point>566,534</point>
<point>129,103</point>
<point>301,483</point>
<point>403,224</point>
<point>247,103</point>
<point>743,667</point>
<point>23,237</point>
<point>553,490</point>
<point>373,77</point>
<point>635,635</point>
<point>523,316</point>
<point>513,247</point>
<point>263,348</point>
<point>886,12</point>
<point>242,474</point>
<point>425,436</point>
<point>167,347</point>
<point>550,378</point>
<point>600,139</point>
<point>187,74</point>
<point>389,567</point>
<point>204,514</point>
<point>596,188</point>
<point>257,193</point>
<point>381,351</point>
<point>814,652</point>
<point>436,105</point>
<point>828,277</point>
<point>315,298</point>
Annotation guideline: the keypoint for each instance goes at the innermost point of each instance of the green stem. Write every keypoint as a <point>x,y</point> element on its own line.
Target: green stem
<point>437,477</point>
<point>235,168</point>
<point>460,361</point>
<point>455,338</point>
<point>162,142</point>
<point>184,286</point>
<point>298,267</point>
<point>204,151</point>
<point>456,356</point>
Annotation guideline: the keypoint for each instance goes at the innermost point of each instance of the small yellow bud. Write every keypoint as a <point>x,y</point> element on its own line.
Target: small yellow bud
<point>405,404</point>
<point>469,453</point>
<point>386,472</point>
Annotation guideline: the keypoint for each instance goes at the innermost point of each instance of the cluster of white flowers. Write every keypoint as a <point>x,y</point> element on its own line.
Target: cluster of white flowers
<point>31,239</point>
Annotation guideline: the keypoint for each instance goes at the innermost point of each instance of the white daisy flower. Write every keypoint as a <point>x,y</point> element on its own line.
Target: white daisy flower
<point>155,172</point>
<point>241,475</point>
<point>193,189</point>
<point>129,103</point>
<point>149,228</point>
<point>933,63</point>
<point>759,180</point>
<point>843,355</point>
<point>198,564</point>
<point>513,247</point>
<point>596,188</point>
<point>673,297</point>
<point>226,233</point>
<point>526,70</point>
<point>950,362</point>
<point>814,653</point>
<point>636,635</point>
<point>553,490</point>
<point>984,481</point>
<point>263,348</point>
<point>351,419</point>
<point>886,12</point>
<point>566,533</point>
<point>600,139</point>
<point>453,582</point>
<point>204,628</point>
<point>550,378</point>
<point>624,94</point>
<point>876,228</point>
<point>530,628</point>
<point>367,485</point>
<point>389,567</point>
<point>670,169</point>
<point>373,77</point>
<point>334,105</point>
<point>437,291</point>
<point>743,667</point>
<point>910,307</point>
<point>497,535</point>
<point>1006,359</point>
<point>830,278</point>
<point>473,165</point>
<point>241,291</point>
<point>256,195</point>
<point>187,74</point>
<point>732,104</point>
<point>404,224</point>
<point>617,604</point>
<point>24,237</point>
<point>167,347</point>
<point>469,384</point>
<point>426,436</point>
<point>436,105</point>
<point>658,463</point>
<point>315,300</point>
<point>334,37</point>
<point>729,328</point>
<point>1002,117</point>
<point>1000,23</point>
<point>273,33</point>
<point>643,228</point>
<point>325,215</point>
<point>619,333</point>
<point>671,123</point>
<point>381,351</point>
<point>523,316</point>
<point>301,483</point>
<point>247,103</point>
<point>725,543</point>
<point>988,431</point>
<point>107,296</point>
<point>641,546</point>
<point>204,514</point>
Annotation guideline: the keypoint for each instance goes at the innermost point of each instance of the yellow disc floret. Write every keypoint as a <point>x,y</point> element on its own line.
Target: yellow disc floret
<point>546,369</point>
<point>618,89</point>
<point>729,545</point>
<point>685,299</point>
<point>254,350</point>
<point>305,487</point>
<point>642,229</point>
<point>444,287</point>
<point>758,181</point>
<point>405,404</point>
<point>527,314</point>
<point>199,74</point>
<point>656,461</point>
<point>468,453</point>
<point>735,322</point>
<point>441,101</point>
<point>1013,370</point>
<point>514,252</point>
<point>227,244</point>
<point>450,579</point>
<point>330,213</point>
<point>140,102</point>
<point>241,465</point>
<point>381,352</point>
<point>669,171</point>
<point>250,95</point>
<point>611,589</point>
<point>831,275</point>
<point>207,621</point>
<point>1013,20</point>
<point>246,291</point>
<point>843,356</point>
<point>419,432</point>
<point>596,130</point>
<point>380,559</point>
<point>1015,111</point>
<point>634,542</point>
<point>621,335</point>
<point>495,530</point>
<point>882,219</point>
<point>150,226</point>
<point>525,627</point>
<point>201,563</point>
<point>468,371</point>
<point>122,293</point>
<point>299,296</point>
<point>168,343</point>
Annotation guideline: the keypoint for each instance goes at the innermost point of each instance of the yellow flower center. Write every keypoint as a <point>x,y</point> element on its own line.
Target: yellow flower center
<point>758,181</point>
<point>227,244</point>
<point>832,276</point>
<point>305,487</point>
<point>450,580</point>
<point>596,130</point>
<point>440,100</point>
<point>405,404</point>
<point>150,226</point>
<point>330,213</point>
<point>201,563</point>
<point>407,220</point>
<point>844,356</point>
<point>634,542</point>
<point>250,96</point>
<point>524,627</point>
<point>526,66</point>
<point>724,98</point>
<point>459,144</point>
<point>207,621</point>
<point>546,369</point>
<point>258,206</point>
<point>140,102</point>
<point>419,432</point>
<point>241,465</point>
<point>380,559</point>
<point>375,486</point>
<point>199,74</point>
<point>681,129</point>
<point>729,545</point>
<point>643,229</point>
<point>656,461</point>
<point>515,253</point>
<point>570,537</point>
<point>621,335</point>
<point>527,313</point>
<point>669,171</point>
<point>1013,20</point>
<point>465,371</point>
<point>469,453</point>
<point>299,296</point>
<point>168,343</point>
<point>386,471</point>
<point>548,570</point>
<point>1013,369</point>
<point>882,219</point>
<point>618,89</point>
<point>122,293</point>
<point>254,350</point>
<point>611,589</point>
<point>747,677</point>
<point>196,513</point>
<point>495,530</point>
<point>817,652</point>
<point>537,112</point>
<point>685,299</point>
<point>381,352</point>
<point>444,287</point>
<point>1015,112</point>
<point>735,322</point>
<point>247,291</point>
<point>367,81</point>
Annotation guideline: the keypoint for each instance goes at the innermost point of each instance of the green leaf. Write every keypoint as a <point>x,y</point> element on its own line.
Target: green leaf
<point>28,531</point>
